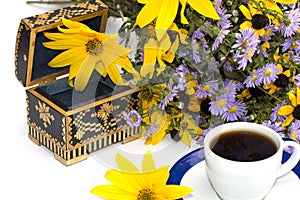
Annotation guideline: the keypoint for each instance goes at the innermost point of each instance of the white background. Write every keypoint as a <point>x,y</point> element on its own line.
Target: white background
<point>28,171</point>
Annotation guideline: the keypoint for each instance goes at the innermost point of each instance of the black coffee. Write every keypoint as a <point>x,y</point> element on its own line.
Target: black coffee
<point>244,146</point>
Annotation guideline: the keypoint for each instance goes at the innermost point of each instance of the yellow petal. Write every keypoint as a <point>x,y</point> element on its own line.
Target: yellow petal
<point>74,70</point>
<point>186,138</point>
<point>111,192</point>
<point>128,181</point>
<point>288,120</point>
<point>205,8</point>
<point>84,73</point>
<point>64,44</point>
<point>245,12</point>
<point>166,16</point>
<point>150,50</point>
<point>292,98</point>
<point>285,110</point>
<point>174,191</point>
<point>182,17</point>
<point>148,13</point>
<point>298,96</point>
<point>246,25</point>
<point>148,162</point>
<point>286,1</point>
<point>125,165</point>
<point>115,75</point>
<point>68,57</point>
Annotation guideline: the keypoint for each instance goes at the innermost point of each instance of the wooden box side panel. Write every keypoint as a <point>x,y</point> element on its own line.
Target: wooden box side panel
<point>104,124</point>
<point>46,125</point>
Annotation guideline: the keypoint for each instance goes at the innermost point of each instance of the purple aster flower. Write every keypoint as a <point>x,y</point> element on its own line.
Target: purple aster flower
<point>133,118</point>
<point>151,130</point>
<point>220,105</point>
<point>268,73</point>
<point>274,116</point>
<point>230,88</point>
<point>246,45</point>
<point>252,81</point>
<point>294,132</point>
<point>172,93</point>
<point>286,45</point>
<point>199,36</point>
<point>235,112</point>
<point>297,80</point>
<point>224,24</point>
<point>200,121</point>
<point>276,126</point>
<point>206,89</point>
<point>291,23</point>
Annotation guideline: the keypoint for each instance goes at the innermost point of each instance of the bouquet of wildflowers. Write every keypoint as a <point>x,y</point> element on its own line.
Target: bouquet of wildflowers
<point>202,63</point>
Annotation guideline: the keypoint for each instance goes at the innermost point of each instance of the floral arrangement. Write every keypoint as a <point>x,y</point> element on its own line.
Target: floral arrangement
<point>197,64</point>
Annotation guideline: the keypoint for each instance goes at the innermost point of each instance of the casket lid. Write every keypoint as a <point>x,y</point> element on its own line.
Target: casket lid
<point>31,57</point>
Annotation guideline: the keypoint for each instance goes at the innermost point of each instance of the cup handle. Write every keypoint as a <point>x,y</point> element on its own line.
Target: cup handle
<point>292,161</point>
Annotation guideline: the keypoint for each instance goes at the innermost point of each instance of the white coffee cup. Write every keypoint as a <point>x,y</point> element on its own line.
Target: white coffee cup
<point>253,180</point>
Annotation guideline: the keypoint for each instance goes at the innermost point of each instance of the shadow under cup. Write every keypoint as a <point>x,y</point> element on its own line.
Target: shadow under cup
<point>239,166</point>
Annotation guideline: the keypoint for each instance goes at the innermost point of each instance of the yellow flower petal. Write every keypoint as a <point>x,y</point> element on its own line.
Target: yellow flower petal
<point>125,165</point>
<point>205,8</point>
<point>68,57</point>
<point>84,73</point>
<point>286,1</point>
<point>111,192</point>
<point>285,110</point>
<point>245,12</point>
<point>298,96</point>
<point>174,191</point>
<point>125,180</point>
<point>246,25</point>
<point>288,121</point>
<point>148,13</point>
<point>166,16</point>
<point>292,98</point>
<point>150,50</point>
<point>182,17</point>
<point>148,162</point>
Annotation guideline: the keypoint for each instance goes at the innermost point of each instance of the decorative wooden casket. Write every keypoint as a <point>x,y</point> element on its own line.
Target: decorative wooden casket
<point>69,123</point>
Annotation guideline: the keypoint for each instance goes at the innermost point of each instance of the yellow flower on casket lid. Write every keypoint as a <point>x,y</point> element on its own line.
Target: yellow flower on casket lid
<point>87,50</point>
<point>165,11</point>
<point>130,183</point>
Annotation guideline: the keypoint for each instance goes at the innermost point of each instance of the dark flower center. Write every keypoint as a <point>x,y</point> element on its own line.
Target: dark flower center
<point>296,112</point>
<point>204,106</point>
<point>94,47</point>
<point>256,92</point>
<point>281,81</point>
<point>259,21</point>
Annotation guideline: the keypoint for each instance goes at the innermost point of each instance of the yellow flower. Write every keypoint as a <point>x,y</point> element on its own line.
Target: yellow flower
<point>281,81</point>
<point>130,184</point>
<point>165,11</point>
<point>249,14</point>
<point>293,110</point>
<point>86,50</point>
